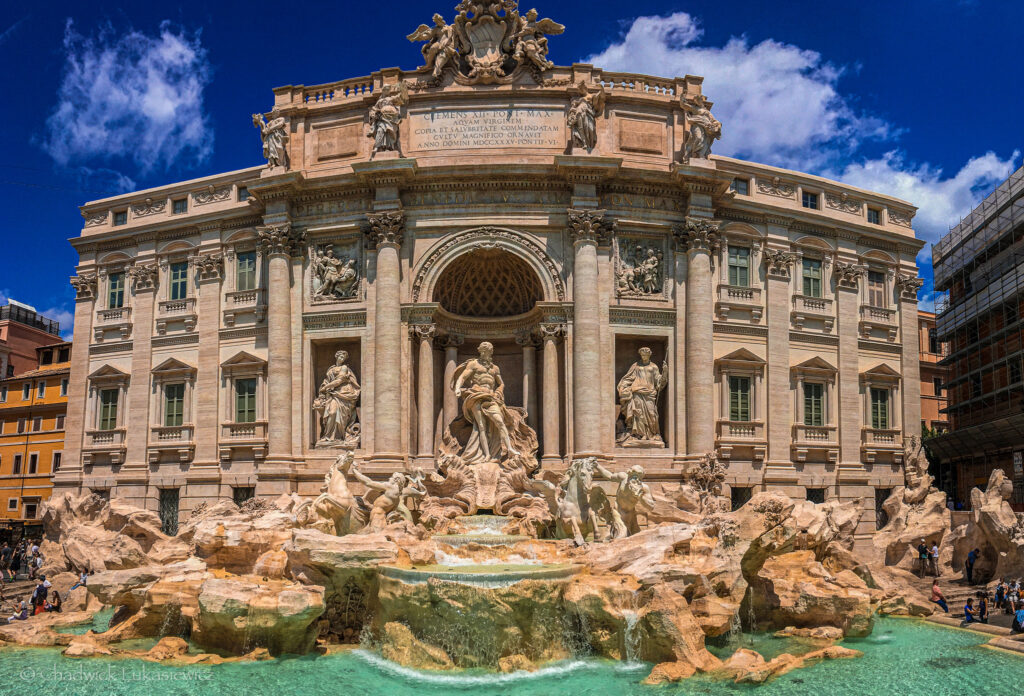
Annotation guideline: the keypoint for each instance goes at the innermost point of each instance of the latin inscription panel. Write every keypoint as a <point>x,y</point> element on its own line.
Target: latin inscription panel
<point>486,129</point>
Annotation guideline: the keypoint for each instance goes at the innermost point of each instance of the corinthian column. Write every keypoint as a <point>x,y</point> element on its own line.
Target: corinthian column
<point>425,390</point>
<point>700,237</point>
<point>279,243</point>
<point>528,341</point>
<point>550,434</point>
<point>588,228</point>
<point>450,343</point>
<point>385,235</point>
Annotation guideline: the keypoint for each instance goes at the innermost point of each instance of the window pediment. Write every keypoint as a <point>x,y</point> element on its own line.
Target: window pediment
<point>880,373</point>
<point>243,362</point>
<point>172,367</point>
<point>815,367</point>
<point>109,375</point>
<point>740,360</point>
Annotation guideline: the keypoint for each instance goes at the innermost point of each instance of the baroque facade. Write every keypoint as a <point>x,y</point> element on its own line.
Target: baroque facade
<point>647,302</point>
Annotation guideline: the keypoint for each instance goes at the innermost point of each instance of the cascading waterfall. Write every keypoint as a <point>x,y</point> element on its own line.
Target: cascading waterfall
<point>631,639</point>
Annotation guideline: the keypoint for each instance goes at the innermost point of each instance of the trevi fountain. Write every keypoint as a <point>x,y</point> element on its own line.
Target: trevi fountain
<point>595,550</point>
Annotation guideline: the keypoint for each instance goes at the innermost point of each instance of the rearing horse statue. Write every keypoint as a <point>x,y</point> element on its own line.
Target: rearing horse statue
<point>575,501</point>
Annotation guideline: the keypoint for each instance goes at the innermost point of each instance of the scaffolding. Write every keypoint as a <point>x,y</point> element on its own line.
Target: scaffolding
<point>979,269</point>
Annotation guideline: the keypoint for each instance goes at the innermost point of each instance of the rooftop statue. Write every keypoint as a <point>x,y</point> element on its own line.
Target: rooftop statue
<point>531,43</point>
<point>443,44</point>
<point>704,128</point>
<point>582,116</point>
<point>275,139</point>
<point>385,116</point>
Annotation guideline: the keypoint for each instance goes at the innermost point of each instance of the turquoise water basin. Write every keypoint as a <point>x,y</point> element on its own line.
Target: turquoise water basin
<point>905,658</point>
<point>482,574</point>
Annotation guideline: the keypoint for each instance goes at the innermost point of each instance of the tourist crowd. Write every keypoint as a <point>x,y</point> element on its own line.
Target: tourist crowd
<point>25,560</point>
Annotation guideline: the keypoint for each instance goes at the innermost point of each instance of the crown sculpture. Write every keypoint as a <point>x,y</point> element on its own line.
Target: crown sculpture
<point>487,43</point>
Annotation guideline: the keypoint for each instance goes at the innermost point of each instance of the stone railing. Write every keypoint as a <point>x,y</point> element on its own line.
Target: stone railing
<point>244,302</point>
<point>882,437</point>
<point>878,318</point>
<point>256,431</point>
<point>740,430</point>
<point>815,435</point>
<point>174,434</point>
<point>105,438</point>
<point>113,317</point>
<point>352,88</point>
<point>738,297</point>
<point>805,307</point>
<point>174,310</point>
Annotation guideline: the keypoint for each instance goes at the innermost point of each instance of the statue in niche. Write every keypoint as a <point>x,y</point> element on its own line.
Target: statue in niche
<point>385,116</point>
<point>704,128</point>
<point>335,405</point>
<point>443,44</point>
<point>334,277</point>
<point>478,383</point>
<point>275,139</point>
<point>530,40</point>
<point>639,390</point>
<point>582,116</point>
<point>632,497</point>
<point>640,270</point>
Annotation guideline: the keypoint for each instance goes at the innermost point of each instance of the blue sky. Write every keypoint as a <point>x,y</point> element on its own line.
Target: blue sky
<point>918,98</point>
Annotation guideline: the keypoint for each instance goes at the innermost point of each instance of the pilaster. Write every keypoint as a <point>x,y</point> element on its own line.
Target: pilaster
<point>779,412</point>
<point>847,278</point>
<point>209,273</point>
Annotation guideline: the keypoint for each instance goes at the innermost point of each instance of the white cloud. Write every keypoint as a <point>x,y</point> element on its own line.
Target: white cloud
<point>779,103</point>
<point>941,200</point>
<point>64,317</point>
<point>129,95</point>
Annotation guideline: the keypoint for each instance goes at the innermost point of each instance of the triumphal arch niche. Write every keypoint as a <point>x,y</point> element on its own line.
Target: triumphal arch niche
<point>486,268</point>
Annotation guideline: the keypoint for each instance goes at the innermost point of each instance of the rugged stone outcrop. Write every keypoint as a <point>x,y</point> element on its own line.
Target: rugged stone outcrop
<point>238,615</point>
<point>994,529</point>
<point>401,646</point>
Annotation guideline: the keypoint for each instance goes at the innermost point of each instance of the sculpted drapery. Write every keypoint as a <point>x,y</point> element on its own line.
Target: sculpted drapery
<point>638,392</point>
<point>336,403</point>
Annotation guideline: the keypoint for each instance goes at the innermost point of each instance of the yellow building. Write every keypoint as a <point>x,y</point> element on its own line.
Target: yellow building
<point>33,406</point>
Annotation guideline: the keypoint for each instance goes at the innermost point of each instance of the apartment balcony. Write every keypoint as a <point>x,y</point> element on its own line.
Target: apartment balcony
<point>243,436</point>
<point>875,441</point>
<point>244,302</point>
<point>177,441</point>
<point>878,319</point>
<point>741,435</point>
<point>108,444</point>
<point>815,438</point>
<point>734,297</point>
<point>174,311</point>
<point>807,308</point>
<point>118,319</point>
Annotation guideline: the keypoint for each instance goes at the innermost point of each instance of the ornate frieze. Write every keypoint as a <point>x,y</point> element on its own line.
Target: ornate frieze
<point>386,229</point>
<point>630,316</point>
<point>145,276</point>
<point>211,194</point>
<point>208,266</point>
<point>591,226</point>
<point>900,217</point>
<point>96,219</point>
<point>697,234</point>
<point>779,262</point>
<point>279,239</point>
<point>844,203</point>
<point>85,286</point>
<point>848,275</point>
<point>640,267</point>
<point>908,285</point>
<point>149,207</point>
<point>355,319</point>
<point>776,187</point>
<point>335,271</point>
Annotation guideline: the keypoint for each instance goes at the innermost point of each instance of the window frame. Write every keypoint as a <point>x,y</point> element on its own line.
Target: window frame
<point>880,417</point>
<point>253,272</point>
<point>16,464</point>
<point>174,206</point>
<point>873,287</point>
<point>806,196</point>
<point>41,389</point>
<point>55,461</point>
<point>104,414</point>
<point>736,405</point>
<point>33,464</point>
<point>174,406</point>
<point>877,216</point>
<point>817,413</point>
<point>115,290</point>
<point>176,284</point>
<point>119,218</point>
<point>736,189</point>
<point>808,290</point>
<point>744,266</point>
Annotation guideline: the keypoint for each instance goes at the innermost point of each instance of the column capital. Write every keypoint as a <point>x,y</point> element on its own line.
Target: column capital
<point>85,287</point>
<point>209,266</point>
<point>449,340</point>
<point>145,276</point>
<point>281,239</point>
<point>848,275</point>
<point>425,332</point>
<point>386,229</point>
<point>779,262</point>
<point>551,332</point>
<point>697,234</point>
<point>908,285</point>
<point>527,338</point>
<point>591,226</point>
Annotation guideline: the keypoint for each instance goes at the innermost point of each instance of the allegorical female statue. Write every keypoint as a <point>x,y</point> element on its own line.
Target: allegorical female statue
<point>335,404</point>
<point>385,116</point>
<point>639,390</point>
<point>582,117</point>
<point>275,139</point>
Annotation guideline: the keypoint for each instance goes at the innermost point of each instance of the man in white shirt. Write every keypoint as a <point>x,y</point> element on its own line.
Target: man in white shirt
<point>935,558</point>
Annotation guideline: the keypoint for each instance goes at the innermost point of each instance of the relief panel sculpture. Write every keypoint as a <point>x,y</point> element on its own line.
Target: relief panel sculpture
<point>334,271</point>
<point>640,267</point>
